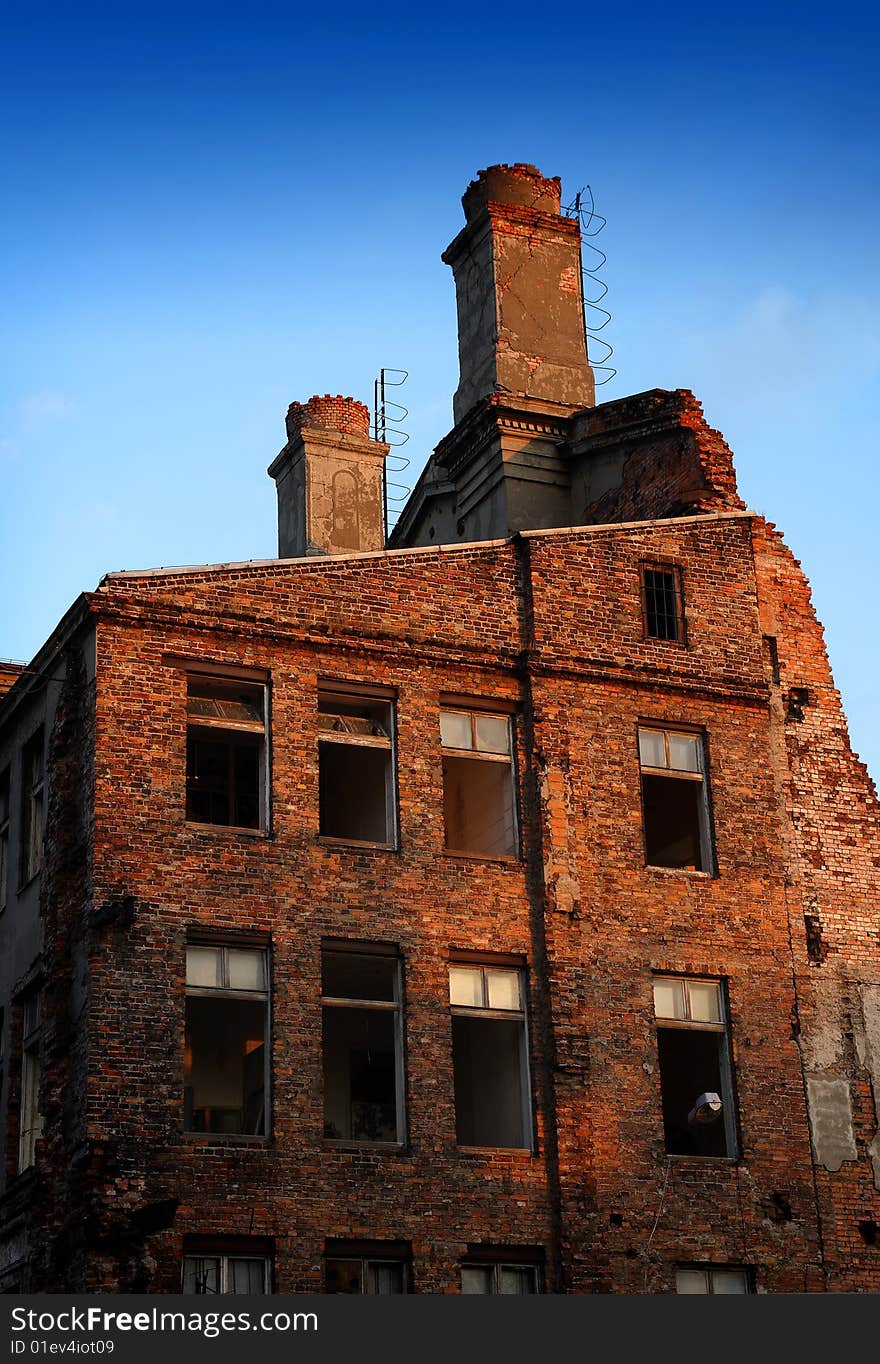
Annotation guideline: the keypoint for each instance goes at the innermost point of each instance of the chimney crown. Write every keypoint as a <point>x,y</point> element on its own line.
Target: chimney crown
<point>519,184</point>
<point>328,413</point>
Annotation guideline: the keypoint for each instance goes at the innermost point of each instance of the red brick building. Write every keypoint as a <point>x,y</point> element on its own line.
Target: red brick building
<point>491,911</point>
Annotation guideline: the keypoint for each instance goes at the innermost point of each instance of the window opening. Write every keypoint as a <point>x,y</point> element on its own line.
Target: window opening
<point>674,799</point>
<point>489,1056</point>
<point>32,807</point>
<point>226,1061</point>
<point>217,1273</point>
<point>695,1073</point>
<point>225,752</point>
<point>478,787</point>
<point>500,1278</point>
<point>362,1043</point>
<point>30,1128</point>
<point>709,1279</point>
<point>662,596</point>
<point>378,1272</point>
<point>4,837</point>
<point>356,768</point>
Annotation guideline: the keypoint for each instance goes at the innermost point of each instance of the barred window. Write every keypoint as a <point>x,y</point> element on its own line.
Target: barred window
<point>661,596</point>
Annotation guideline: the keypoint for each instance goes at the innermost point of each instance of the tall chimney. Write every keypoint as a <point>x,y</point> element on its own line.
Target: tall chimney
<point>329,480</point>
<point>517,268</point>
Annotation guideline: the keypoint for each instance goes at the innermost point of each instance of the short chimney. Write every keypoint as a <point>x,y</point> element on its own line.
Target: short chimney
<point>329,480</point>
<point>517,268</point>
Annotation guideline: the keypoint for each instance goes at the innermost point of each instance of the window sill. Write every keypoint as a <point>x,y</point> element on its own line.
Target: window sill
<point>221,829</point>
<point>682,1159</point>
<point>381,1147</point>
<point>226,1139</point>
<point>23,885</point>
<point>683,871</point>
<point>518,1153</point>
<point>364,845</point>
<point>501,859</point>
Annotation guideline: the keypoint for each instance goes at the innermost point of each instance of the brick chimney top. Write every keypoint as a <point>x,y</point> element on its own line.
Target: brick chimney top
<point>329,413</point>
<point>520,184</point>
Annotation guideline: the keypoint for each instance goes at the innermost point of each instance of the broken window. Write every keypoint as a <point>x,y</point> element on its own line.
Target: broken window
<point>356,768</point>
<point>212,1271</point>
<point>674,799</point>
<point>30,1125</point>
<point>226,1065</point>
<point>695,1076</point>
<point>363,1052</point>
<point>709,1279</point>
<point>478,790</point>
<point>32,807</point>
<point>489,1056</point>
<point>661,594</point>
<point>497,1274</point>
<point>225,752</point>
<point>366,1267</point>
<point>4,837</point>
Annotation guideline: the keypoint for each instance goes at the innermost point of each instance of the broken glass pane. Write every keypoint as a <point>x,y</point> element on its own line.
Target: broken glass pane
<point>492,733</point>
<point>668,998</point>
<point>503,989</point>
<point>204,967</point>
<point>247,969</point>
<point>466,986</point>
<point>705,1001</point>
<point>684,752</point>
<point>652,748</point>
<point>455,729</point>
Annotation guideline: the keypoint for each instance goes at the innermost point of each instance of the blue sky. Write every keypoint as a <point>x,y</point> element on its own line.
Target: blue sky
<point>213,210</point>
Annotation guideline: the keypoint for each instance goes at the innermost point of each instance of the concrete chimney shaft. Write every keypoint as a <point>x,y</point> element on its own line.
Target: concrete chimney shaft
<point>517,269</point>
<point>329,480</point>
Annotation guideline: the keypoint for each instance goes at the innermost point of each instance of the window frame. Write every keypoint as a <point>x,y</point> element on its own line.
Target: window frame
<point>205,676</point>
<point>224,945</point>
<point>5,818</point>
<point>353,693</point>
<point>225,1256</point>
<point>31,853</point>
<point>710,1270</point>
<point>390,952</point>
<point>674,571</point>
<point>480,1257</point>
<point>483,962</point>
<point>722,1029</point>
<point>706,825</point>
<point>474,709</point>
<point>369,1254</point>
<point>30,1118</point>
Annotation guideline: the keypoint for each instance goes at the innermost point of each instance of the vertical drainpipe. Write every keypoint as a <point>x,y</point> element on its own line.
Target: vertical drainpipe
<point>533,850</point>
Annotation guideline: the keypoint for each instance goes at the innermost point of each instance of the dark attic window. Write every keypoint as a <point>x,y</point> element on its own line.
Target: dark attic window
<point>661,596</point>
<point>226,752</point>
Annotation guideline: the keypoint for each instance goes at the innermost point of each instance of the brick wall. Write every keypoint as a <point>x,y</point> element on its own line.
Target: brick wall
<point>552,623</point>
